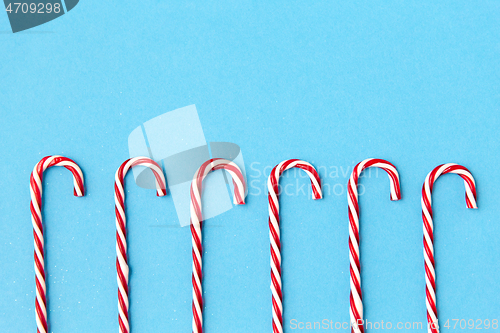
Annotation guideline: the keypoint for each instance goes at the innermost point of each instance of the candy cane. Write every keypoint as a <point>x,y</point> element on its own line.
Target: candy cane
<point>122,268</point>
<point>197,222</point>
<point>430,273</point>
<point>274,230</point>
<point>36,218</point>
<point>356,300</point>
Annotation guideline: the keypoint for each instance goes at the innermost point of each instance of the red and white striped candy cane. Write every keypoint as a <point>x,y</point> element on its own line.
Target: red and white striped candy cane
<point>430,273</point>
<point>274,230</point>
<point>197,222</point>
<point>356,300</point>
<point>122,268</point>
<point>36,219</point>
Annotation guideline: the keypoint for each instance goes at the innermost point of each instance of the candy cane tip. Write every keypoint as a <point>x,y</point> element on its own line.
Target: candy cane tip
<point>239,201</point>
<point>162,193</point>
<point>318,194</point>
<point>79,193</point>
<point>472,204</point>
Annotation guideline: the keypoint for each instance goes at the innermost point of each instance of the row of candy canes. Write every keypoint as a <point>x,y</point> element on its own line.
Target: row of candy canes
<point>356,304</point>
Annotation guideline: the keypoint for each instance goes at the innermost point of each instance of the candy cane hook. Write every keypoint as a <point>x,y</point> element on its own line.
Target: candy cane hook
<point>274,230</point>
<point>430,273</point>
<point>356,300</point>
<point>36,219</point>
<point>196,226</point>
<point>122,268</point>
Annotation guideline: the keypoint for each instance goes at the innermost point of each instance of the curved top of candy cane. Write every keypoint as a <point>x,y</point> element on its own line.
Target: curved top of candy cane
<point>161,188</point>
<point>379,163</point>
<point>273,180</point>
<point>56,160</point>
<point>197,185</point>
<point>470,184</point>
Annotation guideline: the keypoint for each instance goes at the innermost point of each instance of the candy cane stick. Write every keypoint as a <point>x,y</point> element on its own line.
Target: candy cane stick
<point>36,219</point>
<point>430,273</point>
<point>122,268</point>
<point>196,226</point>
<point>274,230</point>
<point>356,300</point>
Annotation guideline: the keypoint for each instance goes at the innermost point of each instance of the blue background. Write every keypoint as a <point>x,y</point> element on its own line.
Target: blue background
<point>332,83</point>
